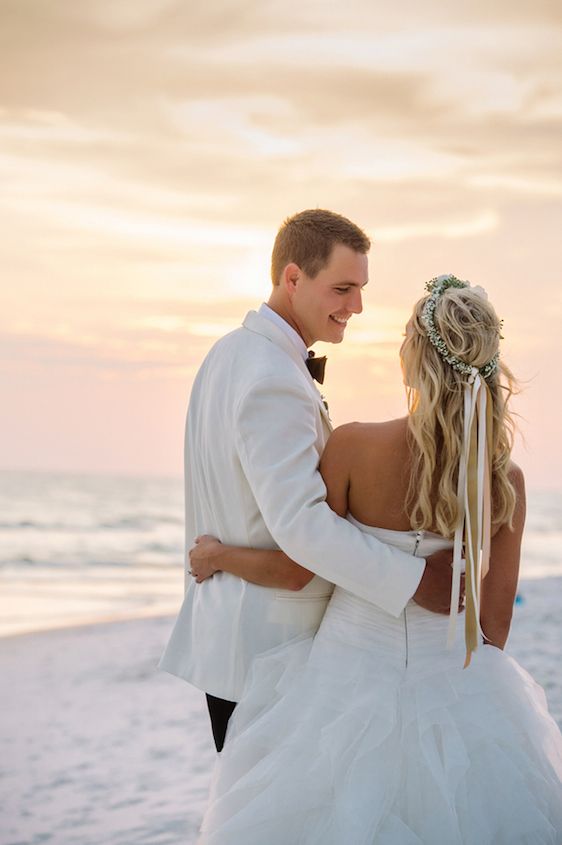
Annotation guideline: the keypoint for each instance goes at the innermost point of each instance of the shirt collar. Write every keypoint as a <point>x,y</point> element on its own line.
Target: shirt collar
<point>294,337</point>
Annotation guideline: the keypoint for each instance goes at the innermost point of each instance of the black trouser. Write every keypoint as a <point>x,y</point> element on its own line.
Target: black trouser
<point>220,712</point>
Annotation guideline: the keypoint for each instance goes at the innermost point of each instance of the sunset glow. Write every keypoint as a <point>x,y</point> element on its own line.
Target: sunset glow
<point>149,151</point>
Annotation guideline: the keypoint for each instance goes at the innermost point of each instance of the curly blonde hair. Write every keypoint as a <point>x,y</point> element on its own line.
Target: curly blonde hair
<point>469,325</point>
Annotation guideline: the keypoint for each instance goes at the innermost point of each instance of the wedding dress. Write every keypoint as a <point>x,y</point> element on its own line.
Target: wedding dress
<point>372,732</point>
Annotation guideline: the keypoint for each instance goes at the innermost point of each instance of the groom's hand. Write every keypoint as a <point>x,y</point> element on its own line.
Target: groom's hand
<point>204,557</point>
<point>434,590</point>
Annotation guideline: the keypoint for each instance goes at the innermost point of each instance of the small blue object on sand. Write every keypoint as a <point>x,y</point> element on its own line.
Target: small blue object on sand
<point>519,599</point>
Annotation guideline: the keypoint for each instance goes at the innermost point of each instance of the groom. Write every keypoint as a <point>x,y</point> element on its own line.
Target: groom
<point>256,428</point>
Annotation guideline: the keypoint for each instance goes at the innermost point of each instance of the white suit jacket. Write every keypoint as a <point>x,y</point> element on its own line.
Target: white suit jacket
<point>255,431</point>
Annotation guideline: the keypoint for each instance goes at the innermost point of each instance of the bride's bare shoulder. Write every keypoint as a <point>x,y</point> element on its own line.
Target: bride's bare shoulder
<point>358,438</point>
<point>375,432</point>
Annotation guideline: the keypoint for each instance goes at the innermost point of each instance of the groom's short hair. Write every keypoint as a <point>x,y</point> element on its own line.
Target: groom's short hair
<point>307,239</point>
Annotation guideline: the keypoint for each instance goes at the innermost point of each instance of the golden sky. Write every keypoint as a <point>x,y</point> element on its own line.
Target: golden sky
<point>150,149</point>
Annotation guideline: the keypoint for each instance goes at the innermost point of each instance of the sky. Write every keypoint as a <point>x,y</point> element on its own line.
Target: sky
<point>150,149</point>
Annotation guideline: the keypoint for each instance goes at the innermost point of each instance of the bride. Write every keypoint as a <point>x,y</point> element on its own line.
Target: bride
<point>400,730</point>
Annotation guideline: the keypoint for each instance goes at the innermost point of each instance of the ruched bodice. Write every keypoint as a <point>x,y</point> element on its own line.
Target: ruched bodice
<point>418,543</point>
<point>415,635</point>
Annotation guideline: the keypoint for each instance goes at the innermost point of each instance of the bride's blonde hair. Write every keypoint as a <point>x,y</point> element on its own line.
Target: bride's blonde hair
<point>470,329</point>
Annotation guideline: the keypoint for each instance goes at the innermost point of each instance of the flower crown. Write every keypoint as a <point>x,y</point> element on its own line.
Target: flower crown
<point>436,288</point>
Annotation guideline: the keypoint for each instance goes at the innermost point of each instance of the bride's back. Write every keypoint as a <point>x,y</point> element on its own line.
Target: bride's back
<point>366,467</point>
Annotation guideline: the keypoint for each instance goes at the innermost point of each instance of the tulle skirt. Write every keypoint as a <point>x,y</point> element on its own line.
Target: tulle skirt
<point>373,733</point>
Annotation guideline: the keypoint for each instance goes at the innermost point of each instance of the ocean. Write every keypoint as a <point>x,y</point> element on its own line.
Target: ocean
<point>84,548</point>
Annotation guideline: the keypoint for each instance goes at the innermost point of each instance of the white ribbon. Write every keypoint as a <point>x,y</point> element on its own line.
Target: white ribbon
<point>475,396</point>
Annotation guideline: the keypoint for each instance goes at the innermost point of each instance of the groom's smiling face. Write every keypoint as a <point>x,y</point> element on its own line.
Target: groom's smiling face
<point>321,306</point>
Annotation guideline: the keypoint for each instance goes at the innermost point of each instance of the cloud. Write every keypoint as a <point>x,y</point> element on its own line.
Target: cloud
<point>167,337</point>
<point>484,223</point>
<point>182,110</point>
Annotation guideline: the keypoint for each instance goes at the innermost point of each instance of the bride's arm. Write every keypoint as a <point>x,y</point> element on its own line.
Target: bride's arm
<point>265,567</point>
<point>500,584</point>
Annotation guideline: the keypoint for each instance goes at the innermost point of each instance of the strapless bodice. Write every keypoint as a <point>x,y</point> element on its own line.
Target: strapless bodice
<point>412,637</point>
<point>417,543</point>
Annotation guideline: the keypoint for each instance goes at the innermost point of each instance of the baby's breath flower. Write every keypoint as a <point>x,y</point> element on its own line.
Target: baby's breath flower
<point>436,287</point>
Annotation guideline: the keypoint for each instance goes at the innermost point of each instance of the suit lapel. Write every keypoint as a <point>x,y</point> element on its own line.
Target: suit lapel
<point>254,322</point>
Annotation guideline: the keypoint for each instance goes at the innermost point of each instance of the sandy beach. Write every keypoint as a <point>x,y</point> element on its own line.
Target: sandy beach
<point>98,746</point>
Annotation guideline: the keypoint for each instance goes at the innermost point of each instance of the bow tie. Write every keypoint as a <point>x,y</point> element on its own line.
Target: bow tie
<point>316,367</point>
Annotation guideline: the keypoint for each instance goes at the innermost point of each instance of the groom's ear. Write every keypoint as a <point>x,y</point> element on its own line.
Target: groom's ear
<point>290,278</point>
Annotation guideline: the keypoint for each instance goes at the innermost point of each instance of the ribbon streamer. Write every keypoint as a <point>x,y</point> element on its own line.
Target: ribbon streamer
<point>474,521</point>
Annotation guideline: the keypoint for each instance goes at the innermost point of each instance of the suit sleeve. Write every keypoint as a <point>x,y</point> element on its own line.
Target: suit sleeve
<point>275,430</point>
